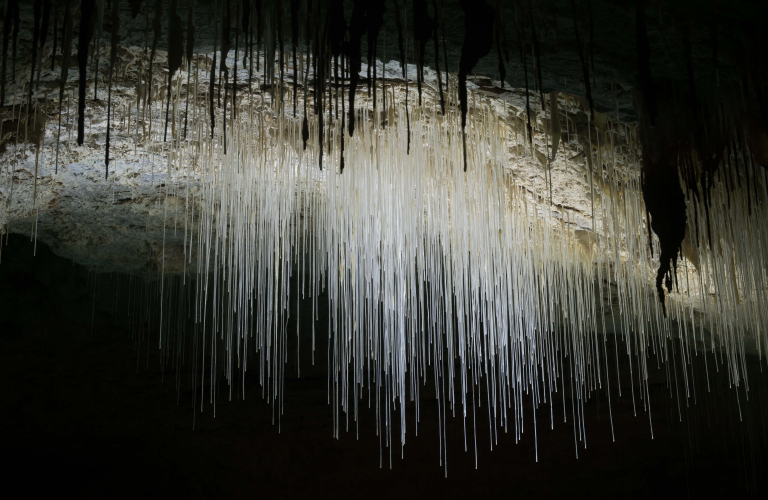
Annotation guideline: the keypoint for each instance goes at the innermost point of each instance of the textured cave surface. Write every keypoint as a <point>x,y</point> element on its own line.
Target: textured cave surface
<point>118,224</point>
<point>87,410</point>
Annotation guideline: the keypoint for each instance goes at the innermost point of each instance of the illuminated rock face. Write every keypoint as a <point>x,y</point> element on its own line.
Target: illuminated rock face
<point>502,231</point>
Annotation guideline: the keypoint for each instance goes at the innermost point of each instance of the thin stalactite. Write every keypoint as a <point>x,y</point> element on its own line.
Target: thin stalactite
<point>499,36</point>
<point>226,21</point>
<point>16,25</point>
<point>35,40</point>
<point>422,31</point>
<point>175,55</point>
<point>357,28</point>
<point>157,29</point>
<point>536,54</point>
<point>190,52</point>
<point>437,59</point>
<point>10,12</point>
<point>295,5</point>
<point>212,74</point>
<point>55,34</point>
<point>66,50</point>
<point>114,41</point>
<point>86,33</point>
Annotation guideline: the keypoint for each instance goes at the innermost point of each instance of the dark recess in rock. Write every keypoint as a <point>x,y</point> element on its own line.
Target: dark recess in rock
<point>478,41</point>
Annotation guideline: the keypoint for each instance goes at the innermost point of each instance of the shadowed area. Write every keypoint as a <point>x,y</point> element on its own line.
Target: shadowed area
<point>88,409</point>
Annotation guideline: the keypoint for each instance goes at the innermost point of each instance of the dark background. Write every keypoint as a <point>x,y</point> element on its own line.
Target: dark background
<point>80,415</point>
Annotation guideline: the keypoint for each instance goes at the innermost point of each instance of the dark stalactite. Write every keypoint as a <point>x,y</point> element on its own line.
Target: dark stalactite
<point>246,29</point>
<point>400,46</point>
<point>114,40</point>
<point>343,118</point>
<point>499,36</point>
<point>536,55</point>
<point>337,27</point>
<point>664,201</point>
<point>281,60</point>
<point>478,41</point>
<point>10,12</point>
<point>87,11</point>
<point>45,23</point>
<point>16,25</point>
<point>35,40</point>
<point>307,35</point>
<point>226,44</point>
<point>320,77</point>
<point>407,112</point>
<point>437,60</point>
<point>357,28</point>
<point>445,49</point>
<point>375,20</point>
<point>190,47</point>
<point>55,35</point>
<point>259,30</point>
<point>212,73</point>
<point>557,32</point>
<point>157,29</point>
<point>521,42</point>
<point>584,64</point>
<point>135,7</point>
<point>66,50</point>
<point>693,99</point>
<point>249,54</point>
<point>422,31</point>
<point>713,35</point>
<point>295,4</point>
<point>644,78</point>
<point>175,55</point>
<point>591,39</point>
<point>234,71</point>
<point>98,21</point>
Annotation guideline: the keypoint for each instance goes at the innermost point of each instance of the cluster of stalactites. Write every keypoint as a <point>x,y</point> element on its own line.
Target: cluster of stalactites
<point>425,264</point>
<point>432,253</point>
